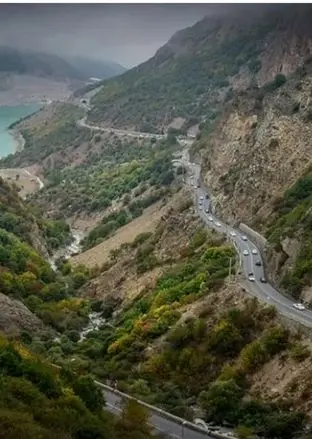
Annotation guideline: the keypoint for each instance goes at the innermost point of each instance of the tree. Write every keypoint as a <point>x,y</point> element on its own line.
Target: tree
<point>243,432</point>
<point>89,392</point>
<point>133,423</point>
<point>279,80</point>
<point>221,401</point>
<point>126,199</point>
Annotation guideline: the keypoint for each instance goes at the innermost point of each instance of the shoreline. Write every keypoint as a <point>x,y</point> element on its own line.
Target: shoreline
<point>18,139</point>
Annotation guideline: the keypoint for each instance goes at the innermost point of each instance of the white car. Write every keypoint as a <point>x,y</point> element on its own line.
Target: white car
<point>201,197</point>
<point>217,224</point>
<point>200,207</point>
<point>251,277</point>
<point>210,218</point>
<point>232,233</point>
<point>254,251</point>
<point>207,210</point>
<point>245,252</point>
<point>299,306</point>
<point>244,238</point>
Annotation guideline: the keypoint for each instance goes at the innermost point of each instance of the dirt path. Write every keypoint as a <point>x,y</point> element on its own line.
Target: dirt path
<point>25,180</point>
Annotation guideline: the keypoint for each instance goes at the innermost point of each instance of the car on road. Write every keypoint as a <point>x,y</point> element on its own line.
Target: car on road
<point>244,238</point>
<point>201,197</point>
<point>245,252</point>
<point>200,207</point>
<point>254,251</point>
<point>263,280</point>
<point>217,224</point>
<point>299,306</point>
<point>251,277</point>
<point>210,218</point>
<point>258,263</point>
<point>207,197</point>
<point>232,233</point>
<point>207,210</point>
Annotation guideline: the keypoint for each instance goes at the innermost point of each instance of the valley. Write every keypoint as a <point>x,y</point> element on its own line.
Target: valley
<point>155,244</point>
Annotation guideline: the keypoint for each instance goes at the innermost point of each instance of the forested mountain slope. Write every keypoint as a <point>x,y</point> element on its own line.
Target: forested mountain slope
<point>198,68</point>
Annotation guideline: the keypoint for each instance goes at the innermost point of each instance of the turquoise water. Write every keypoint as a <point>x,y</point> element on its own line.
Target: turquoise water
<point>8,115</point>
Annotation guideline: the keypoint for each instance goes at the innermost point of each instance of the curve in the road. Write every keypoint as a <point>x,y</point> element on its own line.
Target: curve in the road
<point>263,291</point>
<point>82,123</point>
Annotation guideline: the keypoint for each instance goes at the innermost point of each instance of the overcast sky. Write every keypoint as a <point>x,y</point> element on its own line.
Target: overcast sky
<point>128,34</point>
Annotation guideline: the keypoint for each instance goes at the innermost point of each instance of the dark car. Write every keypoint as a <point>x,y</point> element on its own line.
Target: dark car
<point>263,280</point>
<point>258,263</point>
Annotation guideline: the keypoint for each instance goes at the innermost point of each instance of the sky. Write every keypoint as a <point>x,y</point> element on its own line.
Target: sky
<point>124,33</point>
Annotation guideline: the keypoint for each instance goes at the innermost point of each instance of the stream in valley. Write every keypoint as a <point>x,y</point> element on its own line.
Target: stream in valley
<point>95,319</point>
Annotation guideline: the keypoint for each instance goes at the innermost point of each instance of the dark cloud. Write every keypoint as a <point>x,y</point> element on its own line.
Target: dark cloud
<point>128,34</point>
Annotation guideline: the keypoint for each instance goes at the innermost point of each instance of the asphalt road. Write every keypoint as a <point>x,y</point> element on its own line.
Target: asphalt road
<point>118,132</point>
<point>161,424</point>
<point>264,291</point>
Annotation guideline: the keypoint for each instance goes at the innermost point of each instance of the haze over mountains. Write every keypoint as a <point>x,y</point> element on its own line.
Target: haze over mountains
<point>181,191</point>
<point>48,65</point>
<point>28,76</point>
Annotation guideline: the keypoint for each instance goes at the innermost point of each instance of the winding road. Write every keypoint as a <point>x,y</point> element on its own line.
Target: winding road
<point>251,263</point>
<point>138,134</point>
<point>163,423</point>
<point>248,253</point>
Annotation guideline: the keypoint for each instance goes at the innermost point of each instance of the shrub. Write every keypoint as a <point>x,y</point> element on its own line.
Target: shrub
<point>300,352</point>
<point>221,401</point>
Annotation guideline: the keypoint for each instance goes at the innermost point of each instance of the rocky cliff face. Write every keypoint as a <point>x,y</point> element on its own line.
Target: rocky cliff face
<point>260,146</point>
<point>16,317</point>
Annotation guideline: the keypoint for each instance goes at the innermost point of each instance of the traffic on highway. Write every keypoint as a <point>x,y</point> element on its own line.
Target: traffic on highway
<point>251,261</point>
<point>255,283</point>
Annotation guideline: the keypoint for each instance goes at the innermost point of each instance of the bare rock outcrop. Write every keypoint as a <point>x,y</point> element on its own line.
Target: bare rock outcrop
<point>16,317</point>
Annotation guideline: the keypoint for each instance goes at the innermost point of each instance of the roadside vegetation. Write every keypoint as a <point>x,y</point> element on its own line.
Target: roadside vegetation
<point>38,401</point>
<point>293,220</point>
<point>206,360</point>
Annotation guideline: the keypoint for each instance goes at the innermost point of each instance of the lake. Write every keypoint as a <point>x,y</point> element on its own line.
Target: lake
<point>8,115</point>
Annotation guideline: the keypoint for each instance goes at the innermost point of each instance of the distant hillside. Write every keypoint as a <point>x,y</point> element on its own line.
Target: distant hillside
<point>200,66</point>
<point>37,64</point>
<point>96,68</point>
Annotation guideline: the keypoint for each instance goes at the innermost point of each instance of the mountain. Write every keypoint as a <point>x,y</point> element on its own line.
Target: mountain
<point>95,68</point>
<point>47,65</point>
<point>192,75</point>
<point>25,62</point>
<point>179,331</point>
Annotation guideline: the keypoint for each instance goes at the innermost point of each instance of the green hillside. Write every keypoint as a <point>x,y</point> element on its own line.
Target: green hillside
<point>191,75</point>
